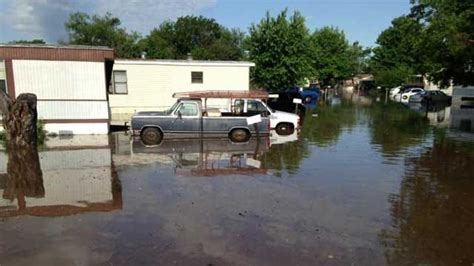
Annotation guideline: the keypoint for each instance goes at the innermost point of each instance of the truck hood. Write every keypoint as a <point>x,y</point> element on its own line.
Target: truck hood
<point>289,116</point>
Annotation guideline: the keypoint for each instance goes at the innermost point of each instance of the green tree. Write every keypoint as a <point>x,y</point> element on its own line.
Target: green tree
<point>159,43</point>
<point>204,38</point>
<point>280,49</point>
<point>398,54</point>
<point>332,57</point>
<point>34,41</point>
<point>448,39</point>
<point>104,31</point>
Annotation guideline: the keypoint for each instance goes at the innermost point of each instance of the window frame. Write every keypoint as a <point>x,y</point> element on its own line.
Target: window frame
<point>2,65</point>
<point>200,80</point>
<point>114,82</point>
<point>178,110</point>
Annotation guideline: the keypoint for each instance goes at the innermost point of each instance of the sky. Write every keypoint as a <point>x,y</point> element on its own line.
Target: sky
<point>361,20</point>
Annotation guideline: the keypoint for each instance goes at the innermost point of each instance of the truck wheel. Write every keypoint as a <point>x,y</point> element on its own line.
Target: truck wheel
<point>285,129</point>
<point>239,135</point>
<point>151,136</point>
<point>308,99</point>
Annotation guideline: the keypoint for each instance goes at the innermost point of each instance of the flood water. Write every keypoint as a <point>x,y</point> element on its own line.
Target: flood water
<point>360,185</point>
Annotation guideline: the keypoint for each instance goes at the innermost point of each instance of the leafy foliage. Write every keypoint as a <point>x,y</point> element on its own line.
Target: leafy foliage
<point>397,56</point>
<point>436,39</point>
<point>448,38</point>
<point>332,57</point>
<point>204,38</point>
<point>102,31</point>
<point>34,41</point>
<point>279,46</point>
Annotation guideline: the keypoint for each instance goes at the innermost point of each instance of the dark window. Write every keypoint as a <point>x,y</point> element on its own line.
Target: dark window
<point>3,77</point>
<point>196,77</point>
<point>255,106</point>
<point>119,83</point>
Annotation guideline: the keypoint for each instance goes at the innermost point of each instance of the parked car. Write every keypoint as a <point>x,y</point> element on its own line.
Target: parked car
<point>284,123</point>
<point>430,96</point>
<point>309,95</point>
<point>396,93</point>
<point>405,96</point>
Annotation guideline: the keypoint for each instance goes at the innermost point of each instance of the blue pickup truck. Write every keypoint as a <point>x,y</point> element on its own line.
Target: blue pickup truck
<point>309,95</point>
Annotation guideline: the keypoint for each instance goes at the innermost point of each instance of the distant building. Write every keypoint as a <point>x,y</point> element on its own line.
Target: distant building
<point>143,85</point>
<point>69,81</point>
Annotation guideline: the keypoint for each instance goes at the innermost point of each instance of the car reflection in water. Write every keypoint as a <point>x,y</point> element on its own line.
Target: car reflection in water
<point>72,180</point>
<point>202,157</point>
<point>444,115</point>
<point>209,157</point>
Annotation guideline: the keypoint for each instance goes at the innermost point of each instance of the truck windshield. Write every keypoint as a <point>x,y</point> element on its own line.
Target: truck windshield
<point>169,111</point>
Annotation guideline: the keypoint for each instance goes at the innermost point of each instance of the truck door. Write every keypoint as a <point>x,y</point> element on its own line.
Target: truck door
<point>187,118</point>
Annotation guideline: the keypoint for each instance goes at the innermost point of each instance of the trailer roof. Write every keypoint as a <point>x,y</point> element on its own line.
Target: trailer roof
<point>222,94</point>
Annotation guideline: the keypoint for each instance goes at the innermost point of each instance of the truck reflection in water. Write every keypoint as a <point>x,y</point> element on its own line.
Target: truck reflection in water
<point>210,157</point>
<point>58,182</point>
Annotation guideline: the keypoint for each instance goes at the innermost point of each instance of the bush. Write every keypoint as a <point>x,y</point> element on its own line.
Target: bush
<point>41,133</point>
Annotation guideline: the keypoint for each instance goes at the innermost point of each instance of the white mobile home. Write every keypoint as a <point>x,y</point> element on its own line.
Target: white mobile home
<point>143,85</point>
<point>70,83</point>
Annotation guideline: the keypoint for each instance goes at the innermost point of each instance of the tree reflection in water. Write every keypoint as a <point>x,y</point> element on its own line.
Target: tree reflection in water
<point>394,127</point>
<point>286,156</point>
<point>432,214</point>
<point>25,178</point>
<point>326,128</point>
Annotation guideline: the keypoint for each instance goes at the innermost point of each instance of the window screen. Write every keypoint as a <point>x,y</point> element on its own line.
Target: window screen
<point>196,77</point>
<point>120,82</point>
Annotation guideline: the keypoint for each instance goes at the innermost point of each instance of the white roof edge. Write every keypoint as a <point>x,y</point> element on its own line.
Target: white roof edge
<point>183,62</point>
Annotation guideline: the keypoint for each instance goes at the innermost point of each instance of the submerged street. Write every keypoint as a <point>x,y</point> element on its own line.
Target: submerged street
<point>360,185</point>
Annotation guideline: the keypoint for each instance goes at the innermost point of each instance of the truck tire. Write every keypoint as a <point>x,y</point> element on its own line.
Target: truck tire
<point>151,136</point>
<point>285,129</point>
<point>239,135</point>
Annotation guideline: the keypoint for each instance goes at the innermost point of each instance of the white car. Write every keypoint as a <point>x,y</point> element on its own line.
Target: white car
<point>405,96</point>
<point>283,123</point>
<point>394,91</point>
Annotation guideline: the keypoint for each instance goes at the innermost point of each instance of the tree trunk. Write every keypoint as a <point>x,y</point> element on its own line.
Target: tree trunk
<point>19,119</point>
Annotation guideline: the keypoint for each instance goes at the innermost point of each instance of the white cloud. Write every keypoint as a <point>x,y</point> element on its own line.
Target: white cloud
<point>29,19</point>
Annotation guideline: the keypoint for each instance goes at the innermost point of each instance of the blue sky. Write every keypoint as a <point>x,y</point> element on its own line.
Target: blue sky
<point>361,20</point>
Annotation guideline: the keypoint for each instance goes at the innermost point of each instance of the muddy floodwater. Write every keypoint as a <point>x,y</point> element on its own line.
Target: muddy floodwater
<point>359,185</point>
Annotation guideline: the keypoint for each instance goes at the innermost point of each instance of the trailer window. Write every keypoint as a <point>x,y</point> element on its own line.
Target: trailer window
<point>196,77</point>
<point>188,109</point>
<point>119,83</point>
<point>3,77</point>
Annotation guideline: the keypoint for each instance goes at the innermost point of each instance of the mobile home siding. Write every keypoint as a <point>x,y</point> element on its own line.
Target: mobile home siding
<point>60,79</point>
<point>151,86</point>
<point>67,91</point>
